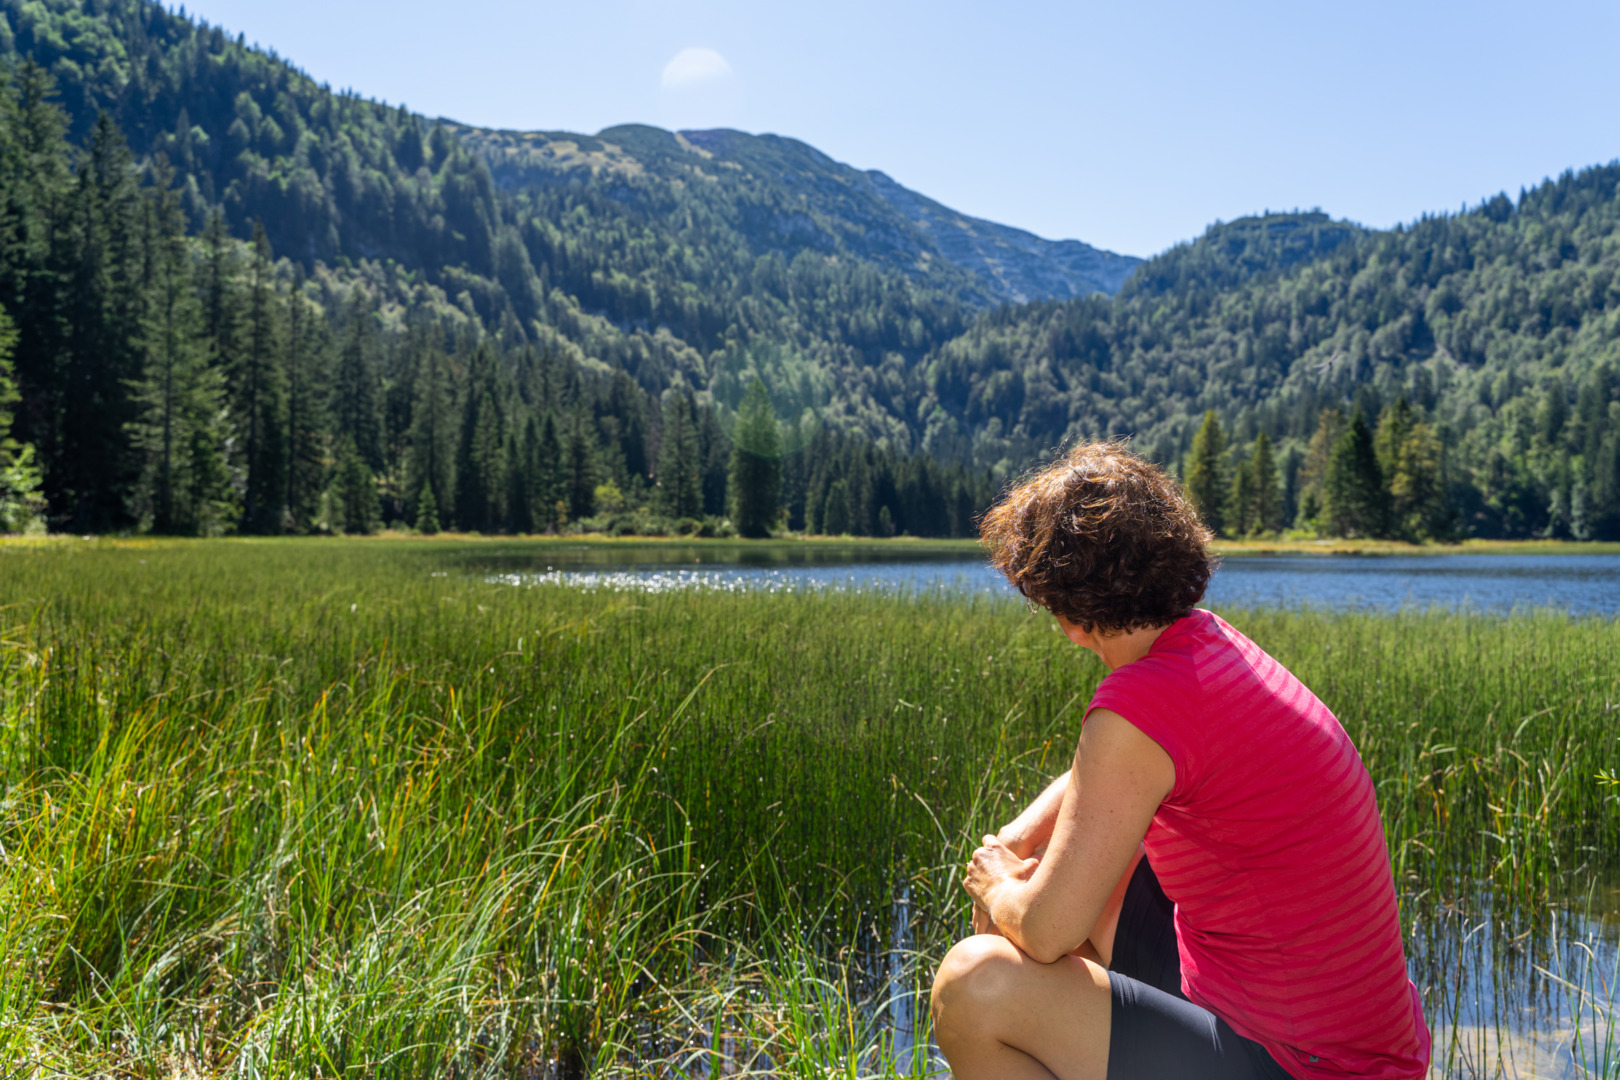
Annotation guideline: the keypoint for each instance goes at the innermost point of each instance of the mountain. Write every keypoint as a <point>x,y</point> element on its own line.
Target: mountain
<point>788,196</point>
<point>695,261</point>
<point>1024,266</point>
<point>1497,329</point>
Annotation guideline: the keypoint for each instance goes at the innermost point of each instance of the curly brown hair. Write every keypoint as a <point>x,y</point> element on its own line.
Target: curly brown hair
<point>1102,538</point>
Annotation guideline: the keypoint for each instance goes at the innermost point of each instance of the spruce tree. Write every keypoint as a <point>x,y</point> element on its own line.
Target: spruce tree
<point>1394,425</point>
<point>306,415</point>
<point>836,517</point>
<point>1267,513</point>
<point>550,510</point>
<point>427,512</point>
<point>579,472</point>
<point>680,482</point>
<point>222,311</point>
<point>1238,516</point>
<point>22,504</point>
<point>359,388</point>
<point>481,453</point>
<point>431,439</point>
<point>1313,471</point>
<point>99,259</point>
<point>1206,472</point>
<point>489,455</point>
<point>1353,496</point>
<point>756,465</point>
<point>714,459</point>
<point>178,432</point>
<point>1420,507</point>
<point>523,456</point>
<point>354,490</point>
<point>260,396</point>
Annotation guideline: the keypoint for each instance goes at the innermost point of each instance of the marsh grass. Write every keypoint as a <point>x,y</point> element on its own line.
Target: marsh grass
<point>341,809</point>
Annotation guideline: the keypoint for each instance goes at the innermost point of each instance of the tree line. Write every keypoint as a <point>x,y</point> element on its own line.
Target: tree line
<point>1353,480</point>
<point>157,380</point>
<point>1496,326</point>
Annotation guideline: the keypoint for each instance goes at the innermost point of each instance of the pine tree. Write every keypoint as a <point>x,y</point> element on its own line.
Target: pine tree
<point>756,465</point>
<point>1206,472</point>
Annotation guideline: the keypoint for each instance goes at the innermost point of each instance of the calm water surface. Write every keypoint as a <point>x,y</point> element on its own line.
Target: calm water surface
<point>1498,584</point>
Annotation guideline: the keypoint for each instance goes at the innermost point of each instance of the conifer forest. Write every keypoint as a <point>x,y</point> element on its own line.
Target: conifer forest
<point>233,300</point>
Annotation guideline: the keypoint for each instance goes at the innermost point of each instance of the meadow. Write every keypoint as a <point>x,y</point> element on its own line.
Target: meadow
<point>348,808</point>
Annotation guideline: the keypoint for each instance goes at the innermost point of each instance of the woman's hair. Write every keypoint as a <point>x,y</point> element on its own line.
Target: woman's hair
<point>1102,538</point>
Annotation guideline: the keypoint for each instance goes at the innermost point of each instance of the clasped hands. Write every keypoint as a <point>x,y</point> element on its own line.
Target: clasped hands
<point>994,865</point>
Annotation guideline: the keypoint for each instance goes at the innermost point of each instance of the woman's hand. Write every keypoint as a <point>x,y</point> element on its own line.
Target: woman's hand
<point>993,865</point>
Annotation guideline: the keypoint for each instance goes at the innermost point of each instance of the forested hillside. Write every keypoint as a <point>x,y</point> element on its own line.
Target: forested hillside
<point>1498,328</point>
<point>635,248</point>
<point>239,301</point>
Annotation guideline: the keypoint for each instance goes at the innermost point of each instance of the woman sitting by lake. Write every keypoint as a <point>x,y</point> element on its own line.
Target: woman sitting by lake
<point>1259,935</point>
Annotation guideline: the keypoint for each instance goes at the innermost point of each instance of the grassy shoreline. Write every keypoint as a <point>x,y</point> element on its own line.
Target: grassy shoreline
<point>298,809</point>
<point>967,548</point>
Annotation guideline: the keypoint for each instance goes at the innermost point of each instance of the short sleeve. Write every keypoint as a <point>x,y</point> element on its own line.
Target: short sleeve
<point>1153,696</point>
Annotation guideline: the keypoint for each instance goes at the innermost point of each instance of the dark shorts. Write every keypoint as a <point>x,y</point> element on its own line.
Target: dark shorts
<point>1156,1033</point>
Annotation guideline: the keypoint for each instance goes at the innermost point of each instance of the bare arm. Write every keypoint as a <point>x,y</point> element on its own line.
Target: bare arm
<point>1030,831</point>
<point>1049,906</point>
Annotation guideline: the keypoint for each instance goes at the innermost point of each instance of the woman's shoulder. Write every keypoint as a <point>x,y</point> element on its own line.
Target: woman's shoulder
<point>1170,666</point>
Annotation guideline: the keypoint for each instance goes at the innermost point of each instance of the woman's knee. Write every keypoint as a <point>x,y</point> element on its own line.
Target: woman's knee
<point>974,980</point>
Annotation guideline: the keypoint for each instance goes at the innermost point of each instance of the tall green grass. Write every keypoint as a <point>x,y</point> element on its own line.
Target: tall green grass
<point>344,808</point>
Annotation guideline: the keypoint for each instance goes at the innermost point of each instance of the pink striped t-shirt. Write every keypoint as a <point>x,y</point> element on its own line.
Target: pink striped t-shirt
<point>1271,847</point>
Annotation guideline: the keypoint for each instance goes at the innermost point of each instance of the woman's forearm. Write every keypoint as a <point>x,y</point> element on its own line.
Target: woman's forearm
<point>1032,830</point>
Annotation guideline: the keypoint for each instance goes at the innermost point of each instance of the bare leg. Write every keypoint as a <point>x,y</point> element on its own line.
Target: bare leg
<point>999,1014</point>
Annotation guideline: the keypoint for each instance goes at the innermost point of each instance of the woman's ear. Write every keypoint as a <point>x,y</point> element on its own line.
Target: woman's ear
<point>1075,633</point>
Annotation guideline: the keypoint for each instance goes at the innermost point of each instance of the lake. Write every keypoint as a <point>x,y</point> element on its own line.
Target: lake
<point>1494,584</point>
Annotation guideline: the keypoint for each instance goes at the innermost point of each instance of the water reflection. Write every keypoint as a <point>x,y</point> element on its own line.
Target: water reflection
<point>1506,996</point>
<point>1496,584</point>
<point>1578,584</point>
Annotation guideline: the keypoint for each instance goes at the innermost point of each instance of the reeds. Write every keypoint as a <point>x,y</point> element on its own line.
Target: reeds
<point>347,808</point>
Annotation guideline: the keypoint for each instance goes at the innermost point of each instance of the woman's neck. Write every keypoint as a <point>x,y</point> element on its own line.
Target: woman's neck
<point>1115,650</point>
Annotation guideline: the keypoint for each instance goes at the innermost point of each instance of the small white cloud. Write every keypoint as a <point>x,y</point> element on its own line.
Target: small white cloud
<point>695,67</point>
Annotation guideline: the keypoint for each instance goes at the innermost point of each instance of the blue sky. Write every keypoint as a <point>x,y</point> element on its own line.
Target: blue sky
<point>1130,126</point>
